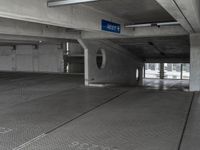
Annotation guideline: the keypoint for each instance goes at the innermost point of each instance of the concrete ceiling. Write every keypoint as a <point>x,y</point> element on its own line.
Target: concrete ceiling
<point>157,47</point>
<point>135,11</point>
<point>146,11</point>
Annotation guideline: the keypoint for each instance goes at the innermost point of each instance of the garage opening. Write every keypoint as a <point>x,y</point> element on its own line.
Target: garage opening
<point>73,58</point>
<point>152,71</point>
<point>167,75</point>
<point>180,71</point>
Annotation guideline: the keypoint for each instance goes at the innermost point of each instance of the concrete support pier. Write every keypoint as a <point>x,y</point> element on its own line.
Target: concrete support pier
<point>162,72</point>
<point>195,62</point>
<point>117,66</point>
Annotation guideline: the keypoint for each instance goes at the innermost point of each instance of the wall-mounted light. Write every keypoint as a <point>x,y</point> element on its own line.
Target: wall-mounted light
<point>152,24</point>
<point>53,3</point>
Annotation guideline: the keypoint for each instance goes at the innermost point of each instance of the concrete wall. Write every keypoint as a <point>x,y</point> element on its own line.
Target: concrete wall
<point>195,62</point>
<point>120,65</point>
<point>47,58</point>
<point>6,58</point>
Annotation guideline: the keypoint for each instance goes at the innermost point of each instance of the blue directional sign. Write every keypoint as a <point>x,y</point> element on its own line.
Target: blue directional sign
<point>110,26</point>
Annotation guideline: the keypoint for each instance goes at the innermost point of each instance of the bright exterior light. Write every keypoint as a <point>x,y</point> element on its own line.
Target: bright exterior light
<point>52,3</point>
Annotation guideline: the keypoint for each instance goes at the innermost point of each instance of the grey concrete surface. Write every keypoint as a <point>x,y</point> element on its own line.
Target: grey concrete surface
<point>52,100</point>
<point>138,120</point>
<point>185,12</point>
<point>29,11</point>
<point>16,88</point>
<point>172,47</point>
<point>139,11</point>
<point>192,133</point>
<point>119,65</point>
<point>48,57</point>
<point>56,112</point>
<point>195,62</point>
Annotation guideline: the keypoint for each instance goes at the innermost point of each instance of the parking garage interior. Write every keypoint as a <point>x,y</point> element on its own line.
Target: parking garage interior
<point>99,75</point>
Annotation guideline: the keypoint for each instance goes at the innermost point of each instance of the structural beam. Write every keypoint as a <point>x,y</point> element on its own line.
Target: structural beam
<point>175,30</point>
<point>167,60</point>
<point>79,17</point>
<point>186,12</point>
<point>195,62</point>
<point>9,27</point>
<point>191,10</point>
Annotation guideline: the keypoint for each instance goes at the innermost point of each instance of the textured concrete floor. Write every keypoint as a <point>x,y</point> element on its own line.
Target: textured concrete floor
<point>17,88</point>
<point>137,120</point>
<point>33,104</point>
<point>56,112</point>
<point>191,139</point>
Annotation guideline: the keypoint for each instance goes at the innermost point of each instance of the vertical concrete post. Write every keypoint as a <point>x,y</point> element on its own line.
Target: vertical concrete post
<point>195,62</point>
<point>162,71</point>
<point>140,76</point>
<point>35,59</point>
<point>144,71</point>
<point>181,71</point>
<point>86,61</point>
<point>59,57</point>
<point>14,63</point>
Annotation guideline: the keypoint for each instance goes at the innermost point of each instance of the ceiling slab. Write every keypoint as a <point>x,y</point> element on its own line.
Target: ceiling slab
<point>157,47</point>
<point>136,11</point>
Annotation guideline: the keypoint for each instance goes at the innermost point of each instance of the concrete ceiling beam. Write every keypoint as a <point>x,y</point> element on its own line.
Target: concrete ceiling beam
<point>167,60</point>
<point>175,30</point>
<point>191,10</point>
<point>186,12</point>
<point>21,28</point>
<point>79,17</point>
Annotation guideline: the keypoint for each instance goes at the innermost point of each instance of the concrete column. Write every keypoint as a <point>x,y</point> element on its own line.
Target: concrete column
<point>14,63</point>
<point>119,65</point>
<point>86,61</point>
<point>195,62</point>
<point>60,60</point>
<point>35,59</point>
<point>181,71</point>
<point>162,71</point>
<point>141,76</point>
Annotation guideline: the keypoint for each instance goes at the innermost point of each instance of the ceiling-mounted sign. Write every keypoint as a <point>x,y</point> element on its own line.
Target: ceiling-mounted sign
<point>110,26</point>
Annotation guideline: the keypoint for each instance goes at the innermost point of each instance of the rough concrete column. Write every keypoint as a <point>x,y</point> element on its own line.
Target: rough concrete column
<point>181,71</point>
<point>162,71</point>
<point>141,76</point>
<point>14,66</point>
<point>195,62</point>
<point>119,65</point>
<point>86,61</point>
<point>35,59</point>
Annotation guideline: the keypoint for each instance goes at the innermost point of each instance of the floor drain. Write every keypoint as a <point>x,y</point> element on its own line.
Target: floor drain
<point>4,130</point>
